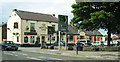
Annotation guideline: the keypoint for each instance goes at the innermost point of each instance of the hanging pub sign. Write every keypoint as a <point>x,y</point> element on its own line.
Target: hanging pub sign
<point>29,33</point>
<point>62,23</point>
<point>51,30</point>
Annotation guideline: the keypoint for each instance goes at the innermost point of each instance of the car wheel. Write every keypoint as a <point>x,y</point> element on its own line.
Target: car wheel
<point>16,49</point>
<point>5,49</point>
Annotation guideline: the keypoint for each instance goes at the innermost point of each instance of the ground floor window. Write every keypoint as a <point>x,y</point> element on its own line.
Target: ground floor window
<point>32,39</point>
<point>38,39</point>
<point>53,38</point>
<point>94,38</point>
<point>48,38</point>
<point>26,39</point>
<point>81,37</point>
<point>71,38</point>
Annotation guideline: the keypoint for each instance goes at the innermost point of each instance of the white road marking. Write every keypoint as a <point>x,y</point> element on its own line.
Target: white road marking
<point>41,57</point>
<point>53,50</point>
<point>10,54</point>
<point>16,55</point>
<point>33,58</point>
<point>21,54</point>
<point>55,58</point>
<point>14,52</point>
<point>6,53</point>
<point>24,54</point>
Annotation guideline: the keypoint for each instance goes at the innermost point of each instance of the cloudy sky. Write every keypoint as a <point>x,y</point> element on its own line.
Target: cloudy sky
<point>42,6</point>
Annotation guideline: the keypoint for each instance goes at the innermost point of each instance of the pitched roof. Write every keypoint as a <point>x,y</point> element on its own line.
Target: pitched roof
<point>94,32</point>
<point>72,30</point>
<point>36,16</point>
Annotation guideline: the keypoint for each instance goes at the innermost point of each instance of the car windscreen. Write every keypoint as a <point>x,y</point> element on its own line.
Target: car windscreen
<point>9,42</point>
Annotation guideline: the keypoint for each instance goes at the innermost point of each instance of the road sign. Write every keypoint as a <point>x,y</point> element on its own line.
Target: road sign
<point>62,23</point>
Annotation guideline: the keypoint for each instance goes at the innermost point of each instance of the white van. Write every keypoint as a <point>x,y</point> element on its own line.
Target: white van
<point>84,42</point>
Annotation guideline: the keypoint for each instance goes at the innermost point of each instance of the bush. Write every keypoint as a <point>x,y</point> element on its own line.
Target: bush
<point>70,47</point>
<point>87,49</point>
<point>95,48</point>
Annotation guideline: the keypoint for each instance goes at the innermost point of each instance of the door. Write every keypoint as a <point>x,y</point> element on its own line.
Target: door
<point>43,40</point>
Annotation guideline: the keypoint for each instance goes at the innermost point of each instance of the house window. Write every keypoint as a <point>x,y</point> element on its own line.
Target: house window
<point>38,39</point>
<point>32,39</point>
<point>15,25</point>
<point>94,38</point>
<point>71,38</point>
<point>48,38</point>
<point>17,38</point>
<point>32,26</point>
<point>53,27</point>
<point>81,37</point>
<point>26,39</point>
<point>53,38</point>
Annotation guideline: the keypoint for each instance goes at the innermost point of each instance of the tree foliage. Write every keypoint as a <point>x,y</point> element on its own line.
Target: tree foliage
<point>105,36</point>
<point>96,15</point>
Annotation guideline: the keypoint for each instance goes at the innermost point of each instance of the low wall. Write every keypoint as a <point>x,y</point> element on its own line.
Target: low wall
<point>111,48</point>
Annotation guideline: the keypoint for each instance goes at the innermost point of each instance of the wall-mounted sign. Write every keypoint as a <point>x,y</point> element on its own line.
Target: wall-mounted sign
<point>50,30</point>
<point>28,33</point>
<point>43,27</point>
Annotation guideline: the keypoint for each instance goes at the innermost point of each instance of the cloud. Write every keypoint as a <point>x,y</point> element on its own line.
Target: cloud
<point>41,6</point>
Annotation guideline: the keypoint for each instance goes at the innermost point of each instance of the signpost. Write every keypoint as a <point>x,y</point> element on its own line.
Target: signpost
<point>63,27</point>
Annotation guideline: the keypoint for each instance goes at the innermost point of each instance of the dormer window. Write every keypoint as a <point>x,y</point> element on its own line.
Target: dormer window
<point>16,25</point>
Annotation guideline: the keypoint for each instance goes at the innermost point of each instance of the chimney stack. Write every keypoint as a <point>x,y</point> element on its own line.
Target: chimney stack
<point>53,15</point>
<point>2,22</point>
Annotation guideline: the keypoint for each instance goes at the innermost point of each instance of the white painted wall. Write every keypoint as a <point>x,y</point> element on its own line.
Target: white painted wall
<point>10,24</point>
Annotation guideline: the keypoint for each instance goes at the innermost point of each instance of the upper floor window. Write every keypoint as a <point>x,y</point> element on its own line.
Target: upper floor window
<point>32,26</point>
<point>53,27</point>
<point>16,25</point>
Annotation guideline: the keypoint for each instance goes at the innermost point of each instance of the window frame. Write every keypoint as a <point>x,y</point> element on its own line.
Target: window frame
<point>15,25</point>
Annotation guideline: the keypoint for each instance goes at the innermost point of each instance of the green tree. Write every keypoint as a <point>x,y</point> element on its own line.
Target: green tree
<point>97,15</point>
<point>105,36</point>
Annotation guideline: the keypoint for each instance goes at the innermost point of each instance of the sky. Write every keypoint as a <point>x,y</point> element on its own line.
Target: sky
<point>57,7</point>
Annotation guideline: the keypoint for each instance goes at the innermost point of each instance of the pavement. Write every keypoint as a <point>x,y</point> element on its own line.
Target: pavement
<point>82,54</point>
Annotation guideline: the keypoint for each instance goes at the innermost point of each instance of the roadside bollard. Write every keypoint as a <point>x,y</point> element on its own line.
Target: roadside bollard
<point>76,49</point>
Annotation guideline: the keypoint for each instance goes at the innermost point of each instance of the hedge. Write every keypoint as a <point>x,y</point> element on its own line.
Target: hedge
<point>110,48</point>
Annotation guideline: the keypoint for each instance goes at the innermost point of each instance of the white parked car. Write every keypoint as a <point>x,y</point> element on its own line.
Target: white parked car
<point>98,43</point>
<point>106,43</point>
<point>116,42</point>
<point>84,42</point>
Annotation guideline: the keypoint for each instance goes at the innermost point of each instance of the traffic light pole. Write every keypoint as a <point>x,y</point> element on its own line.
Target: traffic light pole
<point>59,40</point>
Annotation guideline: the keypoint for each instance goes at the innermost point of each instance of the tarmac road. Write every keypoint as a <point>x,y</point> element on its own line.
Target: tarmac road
<point>46,54</point>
